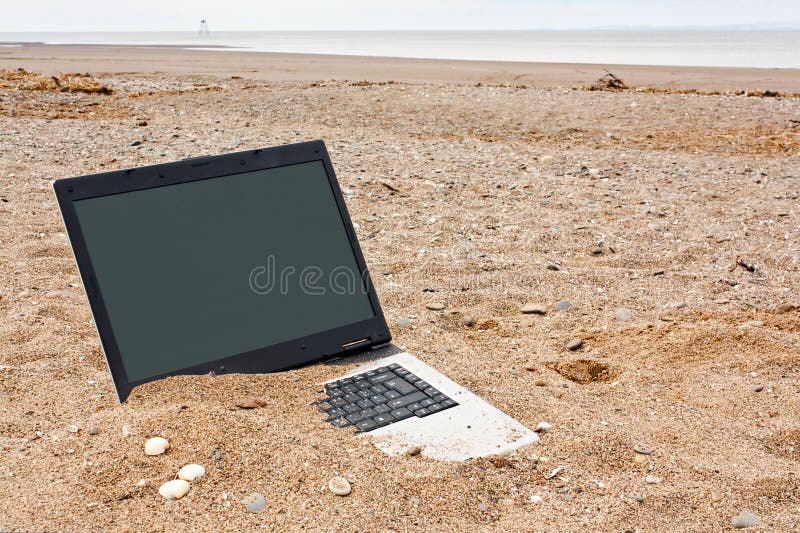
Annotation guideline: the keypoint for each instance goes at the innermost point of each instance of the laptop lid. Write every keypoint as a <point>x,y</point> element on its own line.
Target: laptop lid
<point>244,262</point>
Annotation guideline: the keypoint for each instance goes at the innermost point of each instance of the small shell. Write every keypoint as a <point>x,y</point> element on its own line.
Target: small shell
<point>174,490</point>
<point>541,427</point>
<point>339,486</point>
<point>191,472</point>
<point>156,446</point>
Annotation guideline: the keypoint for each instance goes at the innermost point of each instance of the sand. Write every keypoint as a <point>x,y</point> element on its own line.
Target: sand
<point>504,196</point>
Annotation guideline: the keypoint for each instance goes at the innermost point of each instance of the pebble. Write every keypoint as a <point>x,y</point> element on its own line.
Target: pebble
<point>745,519</point>
<point>623,315</point>
<point>638,498</point>
<point>413,450</point>
<point>554,267</point>
<point>482,507</point>
<point>339,486</point>
<point>757,388</point>
<point>468,321</point>
<point>255,503</point>
<point>403,322</point>
<point>680,305</point>
<point>574,344</point>
<point>717,496</point>
<point>546,158</point>
<point>217,455</point>
<point>435,306</point>
<point>785,308</point>
<point>597,251</point>
<point>563,305</point>
<point>93,430</point>
<point>534,309</point>
<point>653,480</point>
<point>174,490</point>
<point>542,427</point>
<point>156,446</point>
<point>536,499</point>
<point>136,143</point>
<point>644,450</point>
<point>191,472</point>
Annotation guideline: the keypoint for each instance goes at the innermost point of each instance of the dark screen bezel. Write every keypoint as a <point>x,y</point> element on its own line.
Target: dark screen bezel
<point>283,356</point>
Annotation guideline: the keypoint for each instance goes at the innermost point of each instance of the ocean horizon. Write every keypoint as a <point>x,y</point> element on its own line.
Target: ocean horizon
<point>702,48</point>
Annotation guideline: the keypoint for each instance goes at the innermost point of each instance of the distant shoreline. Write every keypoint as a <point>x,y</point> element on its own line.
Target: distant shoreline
<point>181,60</point>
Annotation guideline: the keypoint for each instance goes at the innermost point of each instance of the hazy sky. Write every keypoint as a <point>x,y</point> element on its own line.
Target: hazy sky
<point>153,15</point>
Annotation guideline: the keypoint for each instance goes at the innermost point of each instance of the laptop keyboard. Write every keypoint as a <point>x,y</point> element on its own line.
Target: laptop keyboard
<point>381,397</point>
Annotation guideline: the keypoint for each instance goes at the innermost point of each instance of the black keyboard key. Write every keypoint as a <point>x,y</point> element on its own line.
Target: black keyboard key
<point>430,391</point>
<point>366,425</point>
<point>378,389</point>
<point>352,398</point>
<point>350,408</point>
<point>383,419</point>
<point>405,400</point>
<point>447,403</point>
<point>355,417</point>
<point>349,389</point>
<point>370,373</point>
<point>434,408</point>
<point>422,412</point>
<point>421,385</point>
<point>340,422</point>
<point>411,378</point>
<point>402,413</point>
<point>363,384</point>
<point>380,409</point>
<point>394,366</point>
<point>414,406</point>
<point>366,393</point>
<point>336,412</point>
<point>381,377</point>
<point>338,402</point>
<point>378,398</point>
<point>364,404</point>
<point>391,394</point>
<point>369,413</point>
<point>335,393</point>
<point>427,403</point>
<point>439,398</point>
<point>402,372</point>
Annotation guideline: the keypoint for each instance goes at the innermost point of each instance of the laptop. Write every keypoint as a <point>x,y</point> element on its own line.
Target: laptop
<point>248,262</point>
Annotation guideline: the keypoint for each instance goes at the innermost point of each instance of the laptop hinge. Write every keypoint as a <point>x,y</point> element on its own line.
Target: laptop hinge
<point>357,345</point>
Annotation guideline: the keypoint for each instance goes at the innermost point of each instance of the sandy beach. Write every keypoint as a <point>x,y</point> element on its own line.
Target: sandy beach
<point>484,186</point>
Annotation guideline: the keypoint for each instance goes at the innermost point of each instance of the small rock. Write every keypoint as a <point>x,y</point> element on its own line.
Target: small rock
<point>540,383</point>
<point>339,486</point>
<point>435,306</point>
<point>653,480</point>
<point>142,123</point>
<point>174,490</point>
<point>785,308</point>
<point>482,507</point>
<point>623,315</point>
<point>73,428</point>
<point>639,458</point>
<point>554,472</point>
<point>536,499</point>
<point>217,455</point>
<point>534,309</point>
<point>191,472</point>
<point>156,446</point>
<point>542,427</point>
<point>413,450</point>
<point>546,158</point>
<point>757,388</point>
<point>563,305</point>
<point>680,305</point>
<point>127,430</point>
<point>597,251</point>
<point>745,519</point>
<point>717,496</point>
<point>468,321</point>
<point>403,322</point>
<point>552,266</point>
<point>92,430</point>
<point>644,450</point>
<point>594,171</point>
<point>658,273</point>
<point>136,143</point>
<point>574,344</point>
<point>255,503</point>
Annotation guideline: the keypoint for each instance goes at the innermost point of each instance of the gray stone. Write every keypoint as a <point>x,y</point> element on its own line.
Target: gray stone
<point>563,305</point>
<point>435,306</point>
<point>574,344</point>
<point>534,309</point>
<point>217,455</point>
<point>597,251</point>
<point>403,322</point>
<point>745,519</point>
<point>644,450</point>
<point>92,430</point>
<point>757,388</point>
<point>468,321</point>
<point>136,143</point>
<point>623,315</point>
<point>554,267</point>
<point>255,503</point>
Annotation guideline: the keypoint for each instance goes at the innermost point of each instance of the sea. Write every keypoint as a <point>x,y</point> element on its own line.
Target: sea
<point>719,48</point>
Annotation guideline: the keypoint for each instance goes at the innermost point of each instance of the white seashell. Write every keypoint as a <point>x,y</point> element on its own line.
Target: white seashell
<point>174,490</point>
<point>191,472</point>
<point>156,446</point>
<point>339,486</point>
<point>541,427</point>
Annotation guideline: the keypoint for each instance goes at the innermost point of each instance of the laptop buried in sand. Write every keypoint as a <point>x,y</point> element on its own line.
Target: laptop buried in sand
<point>247,263</point>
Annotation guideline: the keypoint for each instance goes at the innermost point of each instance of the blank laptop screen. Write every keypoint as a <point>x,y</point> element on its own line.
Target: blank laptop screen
<point>199,271</point>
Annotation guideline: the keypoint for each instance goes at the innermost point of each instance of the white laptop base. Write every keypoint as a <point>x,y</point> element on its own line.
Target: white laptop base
<point>473,428</point>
